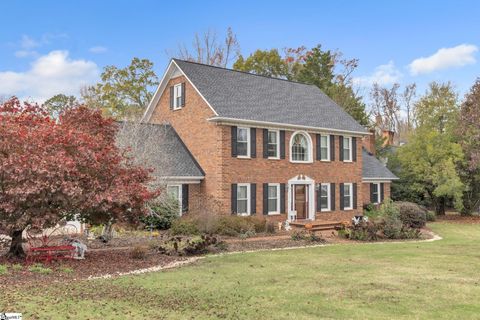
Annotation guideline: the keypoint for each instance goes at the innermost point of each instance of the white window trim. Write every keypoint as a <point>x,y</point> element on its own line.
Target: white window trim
<point>180,196</point>
<point>350,149</point>
<point>248,143</point>
<point>175,105</point>
<point>278,143</point>
<point>328,148</point>
<point>351,195</point>
<point>329,197</point>
<point>378,193</point>
<point>309,147</point>
<point>248,198</point>
<point>277,185</point>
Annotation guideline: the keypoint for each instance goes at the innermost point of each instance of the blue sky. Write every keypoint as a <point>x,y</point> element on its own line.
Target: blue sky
<point>49,46</point>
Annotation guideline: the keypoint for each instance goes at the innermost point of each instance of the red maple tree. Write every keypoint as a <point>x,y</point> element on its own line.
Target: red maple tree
<point>55,169</point>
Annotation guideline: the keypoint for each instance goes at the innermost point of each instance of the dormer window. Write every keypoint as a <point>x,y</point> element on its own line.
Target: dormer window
<point>301,147</point>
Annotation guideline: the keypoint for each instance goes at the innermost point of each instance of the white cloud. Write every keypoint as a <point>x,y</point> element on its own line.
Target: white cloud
<point>98,49</point>
<point>384,74</point>
<point>27,44</point>
<point>48,75</point>
<point>444,58</point>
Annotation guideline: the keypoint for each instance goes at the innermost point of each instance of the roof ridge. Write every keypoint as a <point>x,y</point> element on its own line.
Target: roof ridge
<point>244,72</point>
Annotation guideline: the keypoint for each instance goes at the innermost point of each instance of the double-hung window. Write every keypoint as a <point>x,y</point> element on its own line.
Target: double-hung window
<point>325,197</point>
<point>243,199</point>
<point>325,148</point>
<point>177,96</point>
<point>375,193</point>
<point>347,149</point>
<point>273,198</point>
<point>273,145</point>
<point>347,196</point>
<point>243,142</point>
<point>175,192</point>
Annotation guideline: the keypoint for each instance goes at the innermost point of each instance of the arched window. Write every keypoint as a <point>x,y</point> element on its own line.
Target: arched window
<point>301,147</point>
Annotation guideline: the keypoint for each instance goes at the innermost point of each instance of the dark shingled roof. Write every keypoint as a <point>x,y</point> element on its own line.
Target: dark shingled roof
<point>373,168</point>
<point>241,95</point>
<point>166,151</point>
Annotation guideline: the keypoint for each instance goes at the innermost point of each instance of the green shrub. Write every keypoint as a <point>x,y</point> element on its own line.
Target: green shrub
<point>3,269</point>
<point>259,223</point>
<point>66,270</point>
<point>181,246</point>
<point>307,236</point>
<point>431,216</point>
<point>363,231</point>
<point>411,214</point>
<point>16,267</point>
<point>184,226</point>
<point>163,214</point>
<point>392,227</point>
<point>234,225</point>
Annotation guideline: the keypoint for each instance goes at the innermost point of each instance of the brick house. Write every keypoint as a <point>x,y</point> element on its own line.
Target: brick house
<point>256,145</point>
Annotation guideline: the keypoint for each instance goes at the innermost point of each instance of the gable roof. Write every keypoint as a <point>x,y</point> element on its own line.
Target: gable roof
<point>373,169</point>
<point>165,150</point>
<point>238,95</point>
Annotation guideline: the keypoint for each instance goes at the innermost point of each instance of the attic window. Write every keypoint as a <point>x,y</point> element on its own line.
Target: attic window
<point>177,96</point>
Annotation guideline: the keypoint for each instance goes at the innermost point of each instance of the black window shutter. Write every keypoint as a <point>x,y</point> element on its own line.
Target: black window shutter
<point>171,98</point>
<point>265,198</point>
<point>332,196</point>
<point>183,94</point>
<point>354,196</point>
<point>319,198</point>
<point>234,141</point>
<point>253,142</point>
<point>282,197</point>
<point>340,147</point>
<point>382,191</point>
<point>253,198</point>
<point>184,197</point>
<point>341,197</point>
<point>354,149</point>
<point>372,198</point>
<point>332,147</point>
<point>234,198</point>
<point>265,143</point>
<point>319,156</point>
<point>282,144</point>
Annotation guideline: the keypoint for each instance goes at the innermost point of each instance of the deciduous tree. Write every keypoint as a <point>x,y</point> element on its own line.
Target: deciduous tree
<point>123,93</point>
<point>52,170</point>
<point>59,103</point>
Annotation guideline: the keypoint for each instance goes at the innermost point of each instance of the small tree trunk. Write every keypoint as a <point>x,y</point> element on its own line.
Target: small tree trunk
<point>16,247</point>
<point>440,206</point>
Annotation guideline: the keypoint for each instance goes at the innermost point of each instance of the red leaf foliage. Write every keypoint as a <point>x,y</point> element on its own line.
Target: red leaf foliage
<point>52,169</point>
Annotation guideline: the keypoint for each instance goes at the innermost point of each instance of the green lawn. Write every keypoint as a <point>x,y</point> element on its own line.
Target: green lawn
<point>434,280</point>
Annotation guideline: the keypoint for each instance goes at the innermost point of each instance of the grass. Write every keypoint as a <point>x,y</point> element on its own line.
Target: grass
<point>39,268</point>
<point>429,280</point>
<point>3,269</point>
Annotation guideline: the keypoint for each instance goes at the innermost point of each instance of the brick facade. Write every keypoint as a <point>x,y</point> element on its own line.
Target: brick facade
<point>210,144</point>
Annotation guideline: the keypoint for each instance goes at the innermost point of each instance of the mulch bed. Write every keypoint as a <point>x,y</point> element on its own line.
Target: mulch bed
<point>457,218</point>
<point>96,263</point>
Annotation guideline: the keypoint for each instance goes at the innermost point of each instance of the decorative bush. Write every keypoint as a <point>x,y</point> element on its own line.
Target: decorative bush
<point>138,253</point>
<point>307,236</point>
<point>259,223</point>
<point>184,226</point>
<point>270,227</point>
<point>162,214</point>
<point>392,227</point>
<point>431,216</point>
<point>194,246</point>
<point>411,214</point>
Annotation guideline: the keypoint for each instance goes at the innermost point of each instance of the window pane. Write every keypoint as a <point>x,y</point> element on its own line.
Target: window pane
<point>272,205</point>
<point>272,192</point>
<point>324,197</point>
<point>242,206</point>
<point>272,150</point>
<point>324,153</point>
<point>346,149</point>
<point>347,196</point>
<point>300,148</point>
<point>242,148</point>
<point>272,137</point>
<point>242,192</point>
<point>242,135</point>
